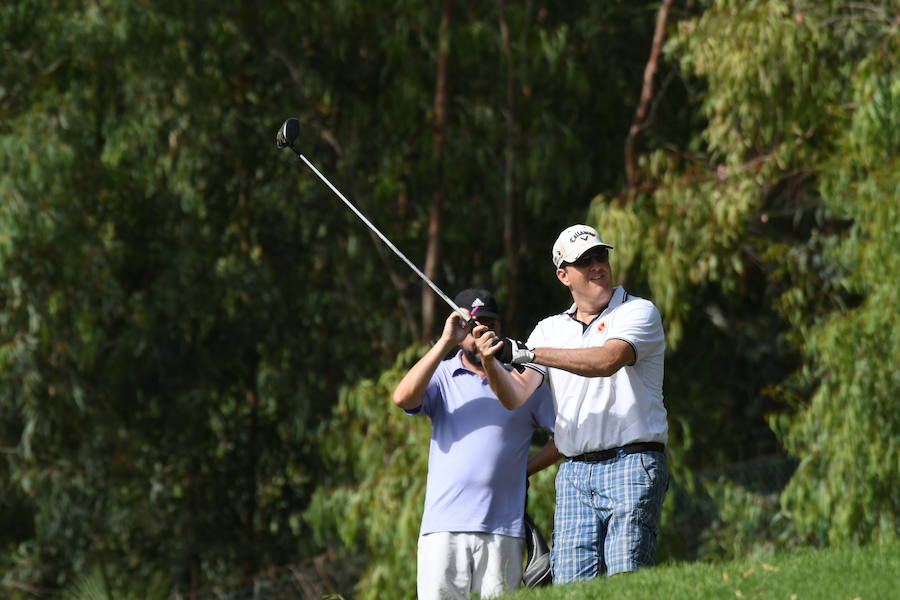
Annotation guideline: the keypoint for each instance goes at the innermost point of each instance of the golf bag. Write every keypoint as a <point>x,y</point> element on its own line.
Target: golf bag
<point>537,567</point>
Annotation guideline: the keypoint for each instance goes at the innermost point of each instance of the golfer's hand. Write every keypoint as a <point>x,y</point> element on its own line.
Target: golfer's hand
<point>486,340</point>
<point>513,352</point>
<point>455,328</point>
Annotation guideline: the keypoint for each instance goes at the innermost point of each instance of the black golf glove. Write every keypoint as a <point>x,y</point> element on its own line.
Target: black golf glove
<point>514,353</point>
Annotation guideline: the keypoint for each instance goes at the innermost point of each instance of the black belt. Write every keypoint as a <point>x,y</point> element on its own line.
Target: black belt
<point>602,455</point>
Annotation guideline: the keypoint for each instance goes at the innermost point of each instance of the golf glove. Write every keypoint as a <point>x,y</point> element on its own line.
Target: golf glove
<point>514,353</point>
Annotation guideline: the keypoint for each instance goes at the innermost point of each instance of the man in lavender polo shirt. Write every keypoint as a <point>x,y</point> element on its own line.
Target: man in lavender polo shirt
<point>472,534</point>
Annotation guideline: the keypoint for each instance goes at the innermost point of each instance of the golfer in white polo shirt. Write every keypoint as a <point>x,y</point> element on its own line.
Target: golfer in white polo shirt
<point>603,358</point>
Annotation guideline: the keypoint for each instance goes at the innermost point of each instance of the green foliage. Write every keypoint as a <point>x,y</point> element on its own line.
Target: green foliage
<point>96,585</point>
<point>848,432</point>
<point>791,189</point>
<point>378,459</point>
<point>163,286</point>
<point>749,523</point>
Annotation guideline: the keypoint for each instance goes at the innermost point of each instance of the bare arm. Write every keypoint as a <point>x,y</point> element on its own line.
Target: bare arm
<point>512,388</point>
<point>599,361</point>
<point>545,457</point>
<point>409,392</point>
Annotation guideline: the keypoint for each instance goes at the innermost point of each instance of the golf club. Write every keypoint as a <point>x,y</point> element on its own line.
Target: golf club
<point>285,138</point>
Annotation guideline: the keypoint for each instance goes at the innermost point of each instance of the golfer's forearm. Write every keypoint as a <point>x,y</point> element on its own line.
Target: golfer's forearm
<point>511,390</point>
<point>599,361</point>
<point>409,392</point>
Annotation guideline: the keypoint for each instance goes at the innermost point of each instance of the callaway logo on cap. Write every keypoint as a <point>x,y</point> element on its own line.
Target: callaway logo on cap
<point>584,235</point>
<point>575,241</point>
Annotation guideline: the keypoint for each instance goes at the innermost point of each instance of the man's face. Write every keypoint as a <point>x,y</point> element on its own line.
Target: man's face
<point>468,345</point>
<point>589,277</point>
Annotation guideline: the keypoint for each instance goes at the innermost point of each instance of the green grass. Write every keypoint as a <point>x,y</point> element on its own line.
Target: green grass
<point>865,573</point>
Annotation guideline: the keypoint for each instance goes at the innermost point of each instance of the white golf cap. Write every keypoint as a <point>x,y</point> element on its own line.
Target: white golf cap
<point>575,241</point>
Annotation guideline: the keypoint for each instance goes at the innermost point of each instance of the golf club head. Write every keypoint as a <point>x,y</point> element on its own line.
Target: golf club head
<point>287,133</point>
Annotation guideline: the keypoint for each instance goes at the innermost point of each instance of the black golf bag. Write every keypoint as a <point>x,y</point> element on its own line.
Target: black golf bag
<point>537,567</point>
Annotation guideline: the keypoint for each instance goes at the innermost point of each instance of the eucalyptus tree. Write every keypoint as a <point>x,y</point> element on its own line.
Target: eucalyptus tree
<point>775,230</point>
<point>179,303</point>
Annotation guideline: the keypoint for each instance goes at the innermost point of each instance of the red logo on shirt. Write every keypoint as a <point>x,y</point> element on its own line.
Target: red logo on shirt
<point>601,326</point>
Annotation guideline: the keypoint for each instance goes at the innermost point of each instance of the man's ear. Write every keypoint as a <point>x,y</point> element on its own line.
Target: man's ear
<point>563,276</point>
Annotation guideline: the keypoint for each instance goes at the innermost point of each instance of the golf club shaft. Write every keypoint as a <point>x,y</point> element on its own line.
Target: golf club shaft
<point>384,239</point>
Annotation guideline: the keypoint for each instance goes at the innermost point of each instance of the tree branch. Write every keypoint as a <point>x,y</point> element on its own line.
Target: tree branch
<point>510,248</point>
<point>439,127</point>
<point>21,88</point>
<point>640,115</point>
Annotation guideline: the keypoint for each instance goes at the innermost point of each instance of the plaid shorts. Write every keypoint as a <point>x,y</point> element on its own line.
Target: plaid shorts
<point>607,515</point>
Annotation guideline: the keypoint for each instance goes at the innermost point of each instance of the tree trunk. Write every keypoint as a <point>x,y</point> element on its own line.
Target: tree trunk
<point>432,256</point>
<point>643,108</point>
<point>252,464</point>
<point>510,248</point>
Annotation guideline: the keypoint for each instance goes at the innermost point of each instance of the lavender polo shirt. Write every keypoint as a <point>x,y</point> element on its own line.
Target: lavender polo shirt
<point>479,453</point>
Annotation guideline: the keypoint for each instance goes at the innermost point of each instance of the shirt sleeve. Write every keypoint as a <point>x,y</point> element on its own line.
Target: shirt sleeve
<point>537,339</point>
<point>432,396</point>
<point>639,324</point>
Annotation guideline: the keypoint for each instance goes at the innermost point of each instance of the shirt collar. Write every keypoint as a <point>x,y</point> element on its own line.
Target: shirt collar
<point>617,298</point>
<point>457,367</point>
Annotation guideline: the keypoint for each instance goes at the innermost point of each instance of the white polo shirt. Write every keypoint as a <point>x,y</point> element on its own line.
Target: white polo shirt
<point>597,413</point>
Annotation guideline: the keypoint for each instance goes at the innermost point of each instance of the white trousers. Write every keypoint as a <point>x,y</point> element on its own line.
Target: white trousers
<point>455,565</point>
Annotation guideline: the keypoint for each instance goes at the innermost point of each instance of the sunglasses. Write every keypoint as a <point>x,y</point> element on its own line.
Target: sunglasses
<point>586,259</point>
